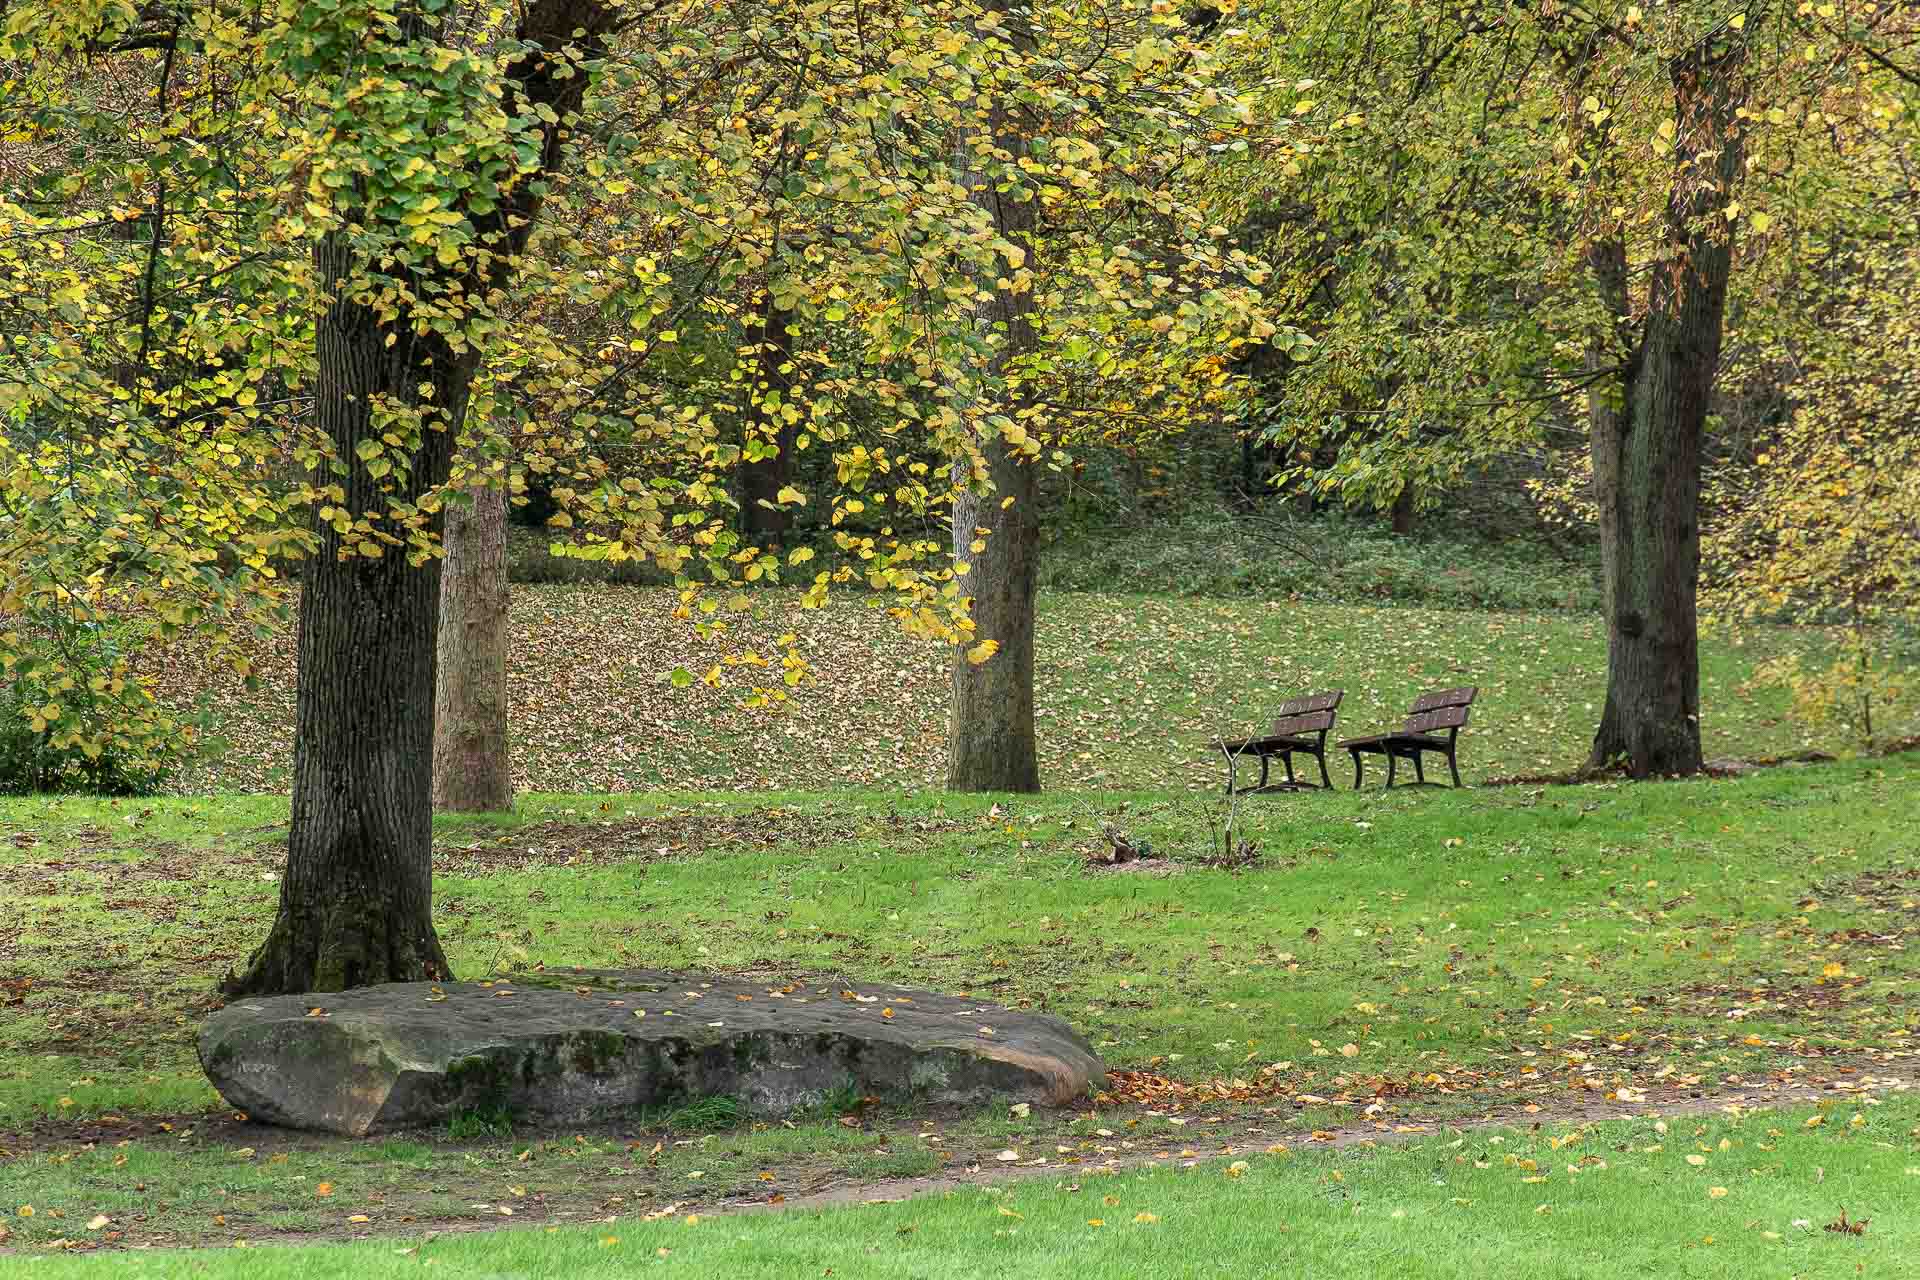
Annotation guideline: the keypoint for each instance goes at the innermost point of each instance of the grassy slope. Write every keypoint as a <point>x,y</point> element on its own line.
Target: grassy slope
<point>1730,1197</point>
<point>1130,688</point>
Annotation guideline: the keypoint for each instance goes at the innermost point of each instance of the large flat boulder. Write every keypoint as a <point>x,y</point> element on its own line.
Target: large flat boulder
<point>594,1046</point>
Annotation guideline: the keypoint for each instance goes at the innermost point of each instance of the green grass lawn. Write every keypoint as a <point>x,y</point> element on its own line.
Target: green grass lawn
<point>1129,691</point>
<point>1416,957</point>
<point>1495,938</point>
<point>1413,956</point>
<point>1728,1196</point>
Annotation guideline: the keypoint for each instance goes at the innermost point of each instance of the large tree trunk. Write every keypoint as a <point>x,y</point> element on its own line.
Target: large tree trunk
<point>991,743</point>
<point>471,768</point>
<point>355,901</point>
<point>1647,456</point>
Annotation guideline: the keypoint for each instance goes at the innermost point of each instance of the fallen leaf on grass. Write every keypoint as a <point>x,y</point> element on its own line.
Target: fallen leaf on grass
<point>1842,1227</point>
<point>1146,1219</point>
<point>324,1189</point>
<point>98,1221</point>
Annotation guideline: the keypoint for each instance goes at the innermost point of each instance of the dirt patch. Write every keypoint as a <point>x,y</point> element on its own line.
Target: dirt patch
<point>668,836</point>
<point>122,882</point>
<point>1137,867</point>
<point>1895,889</point>
<point>1729,767</point>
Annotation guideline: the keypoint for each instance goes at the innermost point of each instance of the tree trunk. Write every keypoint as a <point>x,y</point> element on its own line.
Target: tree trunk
<point>762,479</point>
<point>471,767</point>
<point>1403,511</point>
<point>1647,472</point>
<point>355,901</point>
<point>991,746</point>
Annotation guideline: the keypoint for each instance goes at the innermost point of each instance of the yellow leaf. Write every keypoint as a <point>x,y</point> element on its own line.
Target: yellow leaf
<point>1146,1219</point>
<point>1716,1193</point>
<point>982,651</point>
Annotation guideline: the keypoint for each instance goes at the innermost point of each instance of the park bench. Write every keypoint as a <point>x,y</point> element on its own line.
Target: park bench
<point>1442,710</point>
<point>1302,726</point>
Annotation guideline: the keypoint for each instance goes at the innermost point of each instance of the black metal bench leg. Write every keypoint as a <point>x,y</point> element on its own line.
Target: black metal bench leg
<point>1265,763</point>
<point>1393,762</point>
<point>1325,781</point>
<point>1356,770</point>
<point>1419,773</point>
<point>1286,758</point>
<point>1454,768</point>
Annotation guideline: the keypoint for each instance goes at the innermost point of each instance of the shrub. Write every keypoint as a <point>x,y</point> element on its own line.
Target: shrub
<point>56,720</point>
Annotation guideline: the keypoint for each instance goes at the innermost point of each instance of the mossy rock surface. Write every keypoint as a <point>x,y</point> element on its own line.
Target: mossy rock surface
<point>571,1047</point>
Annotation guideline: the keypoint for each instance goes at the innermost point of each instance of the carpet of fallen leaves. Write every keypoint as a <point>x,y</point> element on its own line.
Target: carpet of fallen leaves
<point>1129,691</point>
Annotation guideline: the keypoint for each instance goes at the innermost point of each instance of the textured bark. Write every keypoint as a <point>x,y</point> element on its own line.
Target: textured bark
<point>1403,511</point>
<point>355,901</point>
<point>991,743</point>
<point>471,768</point>
<point>763,479</point>
<point>1647,456</point>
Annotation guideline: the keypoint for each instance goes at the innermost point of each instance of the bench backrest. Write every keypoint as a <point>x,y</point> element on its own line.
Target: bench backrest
<point>1314,713</point>
<point>1440,709</point>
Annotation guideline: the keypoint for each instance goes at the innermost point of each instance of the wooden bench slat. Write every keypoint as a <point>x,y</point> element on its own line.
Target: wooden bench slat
<point>1439,718</point>
<point>1437,698</point>
<point>1289,726</point>
<point>1312,702</point>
